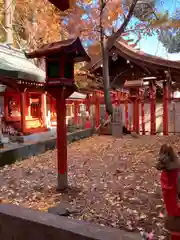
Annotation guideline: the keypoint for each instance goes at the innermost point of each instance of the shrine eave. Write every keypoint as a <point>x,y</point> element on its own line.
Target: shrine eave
<point>133,83</point>
<point>21,84</point>
<point>145,61</point>
<point>71,47</point>
<point>141,58</point>
<point>60,4</point>
<point>15,67</point>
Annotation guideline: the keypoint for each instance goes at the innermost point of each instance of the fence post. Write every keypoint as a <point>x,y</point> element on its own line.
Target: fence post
<point>152,90</point>
<point>137,112</point>
<point>165,108</point>
<point>143,117</point>
<point>97,109</point>
<point>142,111</point>
<point>126,114</point>
<point>76,109</point>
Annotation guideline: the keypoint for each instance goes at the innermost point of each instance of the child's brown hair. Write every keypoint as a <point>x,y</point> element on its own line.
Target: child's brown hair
<point>168,159</point>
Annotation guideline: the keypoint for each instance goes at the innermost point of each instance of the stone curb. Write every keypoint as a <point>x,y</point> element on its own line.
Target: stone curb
<point>26,224</point>
<point>26,150</point>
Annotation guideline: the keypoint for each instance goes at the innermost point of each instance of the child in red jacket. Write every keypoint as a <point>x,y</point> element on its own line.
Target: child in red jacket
<point>169,164</point>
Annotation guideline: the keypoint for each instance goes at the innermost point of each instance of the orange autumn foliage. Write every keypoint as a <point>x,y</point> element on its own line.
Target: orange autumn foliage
<point>37,22</point>
<point>88,26</point>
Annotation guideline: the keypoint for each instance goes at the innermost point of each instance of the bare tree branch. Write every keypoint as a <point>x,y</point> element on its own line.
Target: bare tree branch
<point>117,34</point>
<point>153,12</point>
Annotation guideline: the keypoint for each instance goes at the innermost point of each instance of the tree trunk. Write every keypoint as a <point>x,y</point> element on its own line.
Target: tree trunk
<point>106,77</point>
<point>8,18</point>
<point>106,45</point>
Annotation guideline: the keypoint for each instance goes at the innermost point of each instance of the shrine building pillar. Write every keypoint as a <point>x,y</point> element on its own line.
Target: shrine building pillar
<point>88,104</point>
<point>142,111</point>
<point>23,111</point>
<point>44,109</point>
<point>97,108</point>
<point>5,105</point>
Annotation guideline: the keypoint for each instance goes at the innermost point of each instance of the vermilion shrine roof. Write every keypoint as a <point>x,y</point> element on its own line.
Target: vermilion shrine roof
<point>14,65</point>
<point>71,47</point>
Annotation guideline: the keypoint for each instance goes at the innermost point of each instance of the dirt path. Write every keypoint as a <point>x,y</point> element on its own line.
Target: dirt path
<point>113,182</point>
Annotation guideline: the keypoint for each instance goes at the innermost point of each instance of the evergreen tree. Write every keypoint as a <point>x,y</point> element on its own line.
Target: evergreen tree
<point>170,37</point>
<point>170,40</point>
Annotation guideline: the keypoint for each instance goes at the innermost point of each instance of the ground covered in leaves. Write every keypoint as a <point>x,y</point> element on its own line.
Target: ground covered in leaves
<point>112,182</point>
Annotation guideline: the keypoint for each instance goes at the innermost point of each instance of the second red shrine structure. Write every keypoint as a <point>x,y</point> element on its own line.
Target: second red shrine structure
<point>60,58</point>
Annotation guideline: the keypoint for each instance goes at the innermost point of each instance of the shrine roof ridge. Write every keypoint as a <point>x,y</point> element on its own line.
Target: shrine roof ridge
<point>77,95</point>
<point>14,64</point>
<point>7,48</point>
<point>138,57</point>
<point>144,58</point>
<point>72,45</point>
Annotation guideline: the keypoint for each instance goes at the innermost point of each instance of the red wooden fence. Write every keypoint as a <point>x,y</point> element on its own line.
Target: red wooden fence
<point>135,109</point>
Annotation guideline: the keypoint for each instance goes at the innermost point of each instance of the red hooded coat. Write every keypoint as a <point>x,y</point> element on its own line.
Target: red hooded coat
<point>169,185</point>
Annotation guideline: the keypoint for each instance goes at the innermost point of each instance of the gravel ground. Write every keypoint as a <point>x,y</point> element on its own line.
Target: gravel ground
<point>112,182</point>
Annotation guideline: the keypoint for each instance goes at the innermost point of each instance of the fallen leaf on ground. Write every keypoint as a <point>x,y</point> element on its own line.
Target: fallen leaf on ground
<point>112,182</point>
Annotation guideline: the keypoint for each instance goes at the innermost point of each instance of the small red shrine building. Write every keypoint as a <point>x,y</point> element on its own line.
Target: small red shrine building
<point>22,94</point>
<point>24,103</point>
<point>25,106</point>
<point>75,99</point>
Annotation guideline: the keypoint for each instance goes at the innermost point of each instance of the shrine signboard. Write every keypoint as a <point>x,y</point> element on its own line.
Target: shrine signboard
<point>117,122</point>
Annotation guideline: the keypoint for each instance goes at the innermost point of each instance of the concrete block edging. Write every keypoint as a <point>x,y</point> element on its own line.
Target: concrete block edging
<point>28,224</point>
<point>24,150</point>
